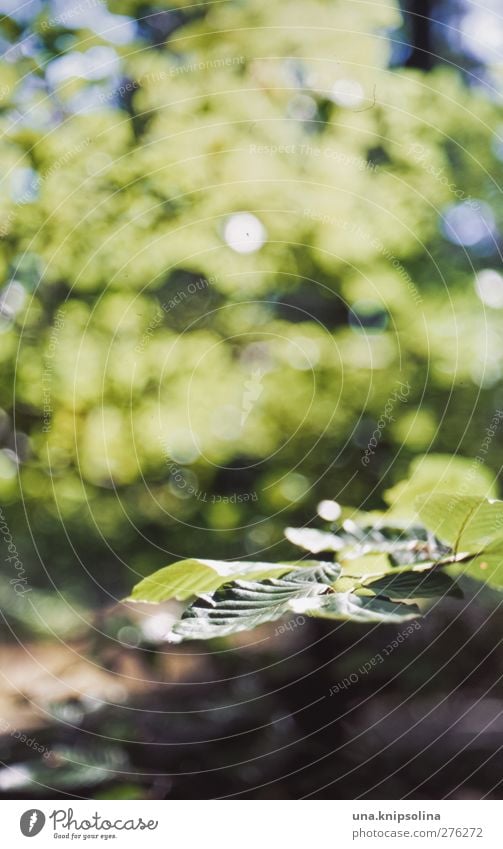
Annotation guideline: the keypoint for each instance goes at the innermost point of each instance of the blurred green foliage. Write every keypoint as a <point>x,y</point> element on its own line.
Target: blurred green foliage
<point>228,232</point>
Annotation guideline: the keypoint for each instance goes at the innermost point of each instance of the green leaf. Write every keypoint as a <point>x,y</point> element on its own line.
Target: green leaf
<point>366,566</point>
<point>433,472</point>
<point>473,527</point>
<point>466,522</point>
<point>486,566</point>
<point>404,546</point>
<point>246,604</point>
<point>357,608</point>
<point>376,565</point>
<point>315,571</point>
<point>313,540</point>
<point>192,577</point>
<point>415,584</point>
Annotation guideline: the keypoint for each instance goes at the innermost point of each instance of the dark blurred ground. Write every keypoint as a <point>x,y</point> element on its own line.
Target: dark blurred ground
<point>259,721</point>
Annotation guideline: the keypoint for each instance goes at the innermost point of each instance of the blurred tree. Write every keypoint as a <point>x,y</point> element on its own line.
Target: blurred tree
<point>228,233</point>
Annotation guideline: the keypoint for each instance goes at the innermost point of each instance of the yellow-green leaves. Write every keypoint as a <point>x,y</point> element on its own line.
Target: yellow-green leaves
<point>243,605</point>
<point>382,569</point>
<point>192,577</point>
<point>433,473</point>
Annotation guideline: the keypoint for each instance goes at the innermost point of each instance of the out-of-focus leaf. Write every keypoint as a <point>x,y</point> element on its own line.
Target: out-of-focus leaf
<point>405,544</point>
<point>434,472</point>
<point>44,613</point>
<point>65,768</point>
<point>310,539</point>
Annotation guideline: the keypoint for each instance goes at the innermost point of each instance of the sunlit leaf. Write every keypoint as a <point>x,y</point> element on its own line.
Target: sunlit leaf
<point>472,526</point>
<point>433,472</point>
<point>192,577</point>
<point>486,566</point>
<point>363,567</point>
<point>468,523</point>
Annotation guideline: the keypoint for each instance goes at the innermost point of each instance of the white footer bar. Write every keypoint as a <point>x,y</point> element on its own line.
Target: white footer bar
<point>252,824</point>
